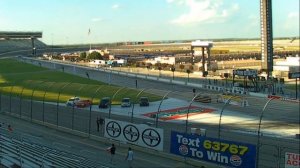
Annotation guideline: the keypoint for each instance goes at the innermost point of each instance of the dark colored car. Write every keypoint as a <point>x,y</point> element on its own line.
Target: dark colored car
<point>203,99</point>
<point>104,102</point>
<point>144,101</point>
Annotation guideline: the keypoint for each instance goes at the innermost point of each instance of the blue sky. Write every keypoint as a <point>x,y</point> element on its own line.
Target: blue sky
<point>68,21</point>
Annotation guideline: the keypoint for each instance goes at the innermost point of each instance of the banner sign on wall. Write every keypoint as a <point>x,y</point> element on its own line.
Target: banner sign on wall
<point>292,160</point>
<point>138,134</point>
<point>245,72</point>
<point>218,151</point>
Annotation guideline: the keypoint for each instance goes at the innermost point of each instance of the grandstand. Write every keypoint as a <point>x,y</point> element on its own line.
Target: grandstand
<point>16,41</point>
<point>17,152</point>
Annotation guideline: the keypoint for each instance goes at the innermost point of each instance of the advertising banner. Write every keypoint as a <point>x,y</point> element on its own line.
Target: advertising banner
<point>245,72</point>
<point>218,151</point>
<point>292,160</point>
<point>138,134</point>
<point>294,75</point>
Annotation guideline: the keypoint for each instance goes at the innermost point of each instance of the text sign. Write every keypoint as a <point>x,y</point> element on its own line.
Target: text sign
<point>238,72</point>
<point>138,134</point>
<point>292,160</point>
<point>245,72</point>
<point>294,75</point>
<point>218,151</point>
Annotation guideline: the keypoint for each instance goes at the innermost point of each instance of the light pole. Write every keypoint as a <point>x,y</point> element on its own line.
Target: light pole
<point>90,115</point>
<point>173,70</point>
<point>159,68</point>
<point>296,88</point>
<point>188,71</point>
<point>187,114</point>
<point>109,77</point>
<point>135,100</point>
<point>148,67</point>
<point>226,75</point>
<point>110,100</point>
<point>51,44</point>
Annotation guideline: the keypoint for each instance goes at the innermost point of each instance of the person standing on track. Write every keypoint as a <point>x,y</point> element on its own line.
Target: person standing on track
<point>129,157</point>
<point>98,124</point>
<point>9,128</point>
<point>112,151</point>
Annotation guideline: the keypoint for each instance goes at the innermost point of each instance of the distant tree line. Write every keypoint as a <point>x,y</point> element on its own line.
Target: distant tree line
<point>92,56</point>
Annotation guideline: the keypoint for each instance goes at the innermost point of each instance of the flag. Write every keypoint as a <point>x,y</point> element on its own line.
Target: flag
<point>89,32</point>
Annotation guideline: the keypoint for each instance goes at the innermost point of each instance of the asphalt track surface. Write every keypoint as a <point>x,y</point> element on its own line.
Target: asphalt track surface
<point>279,111</point>
<point>273,147</point>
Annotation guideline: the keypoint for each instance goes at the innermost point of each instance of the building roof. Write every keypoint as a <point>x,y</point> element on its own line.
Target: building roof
<point>11,34</point>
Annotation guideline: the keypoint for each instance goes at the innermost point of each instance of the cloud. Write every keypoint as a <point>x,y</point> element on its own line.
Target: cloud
<point>178,2</point>
<point>254,20</point>
<point>6,23</point>
<point>292,22</point>
<point>96,19</point>
<point>235,7</point>
<point>293,15</point>
<point>170,1</point>
<point>253,25</point>
<point>203,11</point>
<point>115,6</point>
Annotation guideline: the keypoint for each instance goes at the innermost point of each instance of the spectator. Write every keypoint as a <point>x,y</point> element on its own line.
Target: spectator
<point>9,128</point>
<point>98,124</point>
<point>101,120</point>
<point>112,151</point>
<point>129,157</point>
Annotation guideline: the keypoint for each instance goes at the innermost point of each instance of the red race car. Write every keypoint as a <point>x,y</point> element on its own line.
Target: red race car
<point>83,103</point>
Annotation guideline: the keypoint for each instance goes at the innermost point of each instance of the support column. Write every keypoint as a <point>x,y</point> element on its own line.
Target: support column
<point>193,55</point>
<point>208,58</point>
<point>33,47</point>
<point>203,63</point>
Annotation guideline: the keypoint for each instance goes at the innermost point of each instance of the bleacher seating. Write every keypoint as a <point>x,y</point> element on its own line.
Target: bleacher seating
<point>19,44</point>
<point>15,152</point>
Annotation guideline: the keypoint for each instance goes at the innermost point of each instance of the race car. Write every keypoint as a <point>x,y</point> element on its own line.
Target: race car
<point>83,103</point>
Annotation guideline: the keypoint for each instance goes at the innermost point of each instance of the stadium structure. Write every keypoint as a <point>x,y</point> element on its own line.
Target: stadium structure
<point>13,41</point>
<point>266,36</point>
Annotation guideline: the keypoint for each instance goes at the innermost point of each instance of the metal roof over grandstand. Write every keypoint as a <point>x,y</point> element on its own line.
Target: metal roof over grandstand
<point>11,34</point>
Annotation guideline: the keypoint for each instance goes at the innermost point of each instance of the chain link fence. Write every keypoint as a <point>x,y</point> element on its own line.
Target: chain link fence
<point>271,124</point>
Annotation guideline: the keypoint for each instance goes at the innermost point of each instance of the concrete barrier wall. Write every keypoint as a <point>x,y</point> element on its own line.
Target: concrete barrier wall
<point>152,78</point>
<point>141,76</point>
<point>178,82</point>
<point>131,75</point>
<point>196,85</point>
<point>164,80</point>
<point>258,94</point>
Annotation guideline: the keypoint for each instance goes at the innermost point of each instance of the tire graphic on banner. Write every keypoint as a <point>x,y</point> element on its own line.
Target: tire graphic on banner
<point>113,129</point>
<point>151,137</point>
<point>131,133</point>
<point>135,134</point>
